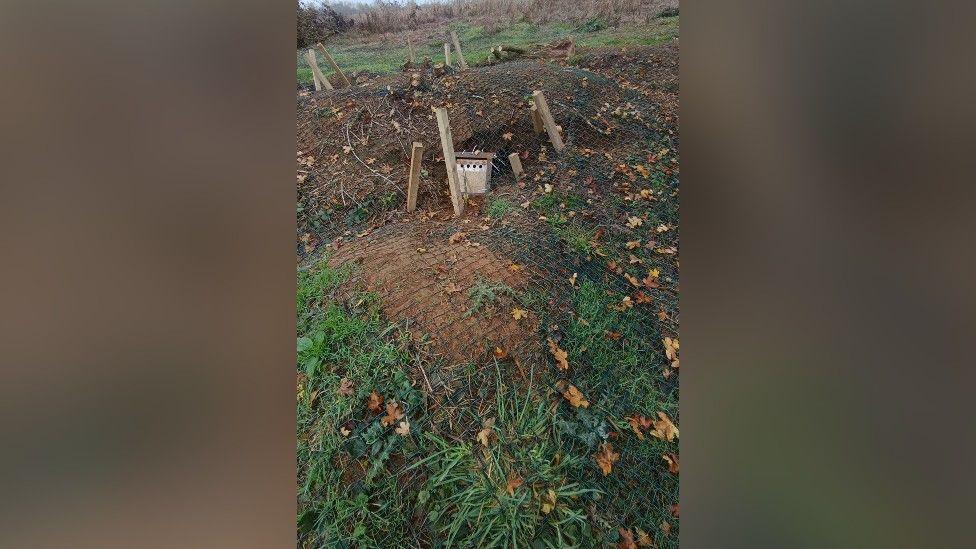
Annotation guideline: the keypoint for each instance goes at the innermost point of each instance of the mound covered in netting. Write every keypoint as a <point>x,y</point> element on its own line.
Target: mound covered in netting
<point>569,275</point>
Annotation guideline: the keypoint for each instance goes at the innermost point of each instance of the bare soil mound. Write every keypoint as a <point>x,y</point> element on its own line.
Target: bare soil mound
<point>437,286</point>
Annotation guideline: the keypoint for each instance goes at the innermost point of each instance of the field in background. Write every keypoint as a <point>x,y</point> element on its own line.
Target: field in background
<point>383,55</point>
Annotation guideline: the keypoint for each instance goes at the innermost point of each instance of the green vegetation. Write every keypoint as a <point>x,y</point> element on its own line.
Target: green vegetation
<point>485,292</point>
<point>515,470</point>
<point>477,41</point>
<point>498,207</point>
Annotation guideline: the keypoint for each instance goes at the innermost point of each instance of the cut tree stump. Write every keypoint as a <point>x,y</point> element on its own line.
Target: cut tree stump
<point>457,49</point>
<point>332,63</point>
<point>450,161</point>
<point>516,163</point>
<point>547,121</point>
<point>413,184</point>
<point>318,79</point>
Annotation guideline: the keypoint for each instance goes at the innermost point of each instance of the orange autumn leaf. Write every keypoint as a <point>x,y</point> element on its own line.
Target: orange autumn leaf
<point>375,402</point>
<point>643,299</point>
<point>559,354</point>
<point>632,279</point>
<point>514,481</point>
<point>572,394</point>
<point>672,461</point>
<point>664,429</point>
<point>500,353</point>
<point>626,539</point>
<point>606,457</point>
<point>612,335</point>
<point>393,413</point>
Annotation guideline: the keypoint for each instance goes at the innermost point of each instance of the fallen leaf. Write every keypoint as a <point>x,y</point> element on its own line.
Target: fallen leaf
<point>662,315</point>
<point>639,424</point>
<point>606,457</point>
<point>370,160</point>
<point>675,509</point>
<point>344,431</point>
<point>547,188</point>
<point>393,413</point>
<point>515,267</point>
<point>634,259</point>
<point>643,539</point>
<point>662,228</point>
<point>519,314</point>
<point>642,169</point>
<point>457,237</point>
<point>625,304</point>
<point>572,394</point>
<point>664,429</point>
<point>646,194</point>
<point>633,244</point>
<point>633,222</point>
<point>572,280</point>
<point>486,433</point>
<point>346,387</point>
<point>403,429</point>
<point>626,539</point>
<point>612,335</point>
<point>560,355</point>
<point>632,279</point>
<point>548,502</point>
<point>643,298</point>
<point>386,168</point>
<point>672,461</point>
<point>654,273</point>
<point>375,402</point>
<point>671,348</point>
<point>514,481</point>
<point>507,136</point>
<point>500,353</point>
<point>666,528</point>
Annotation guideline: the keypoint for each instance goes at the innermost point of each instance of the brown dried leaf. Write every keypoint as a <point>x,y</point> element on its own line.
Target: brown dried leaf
<point>626,539</point>
<point>403,428</point>
<point>346,387</point>
<point>514,481</point>
<point>393,413</point>
<point>519,314</point>
<point>572,394</point>
<point>606,457</point>
<point>672,461</point>
<point>664,429</point>
<point>375,402</point>
<point>559,354</point>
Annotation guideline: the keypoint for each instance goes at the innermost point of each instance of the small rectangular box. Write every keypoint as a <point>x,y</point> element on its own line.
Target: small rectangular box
<point>474,171</point>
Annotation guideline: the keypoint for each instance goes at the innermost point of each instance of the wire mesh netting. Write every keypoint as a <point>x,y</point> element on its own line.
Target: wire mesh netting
<point>557,289</point>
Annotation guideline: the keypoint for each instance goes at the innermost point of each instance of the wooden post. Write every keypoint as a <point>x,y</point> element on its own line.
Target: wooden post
<point>332,63</point>
<point>516,165</point>
<point>547,121</point>
<point>317,77</point>
<point>536,120</point>
<point>450,161</point>
<point>457,49</point>
<point>410,51</point>
<point>447,54</point>
<point>414,183</point>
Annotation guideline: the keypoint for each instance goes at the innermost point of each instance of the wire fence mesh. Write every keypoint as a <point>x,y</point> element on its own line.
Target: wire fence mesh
<point>577,256</point>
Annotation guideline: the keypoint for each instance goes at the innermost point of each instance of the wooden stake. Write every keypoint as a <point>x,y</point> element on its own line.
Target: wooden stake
<point>516,165</point>
<point>317,77</point>
<point>332,63</point>
<point>536,120</point>
<point>410,50</point>
<point>547,121</point>
<point>447,54</point>
<point>457,48</point>
<point>450,161</point>
<point>414,183</point>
